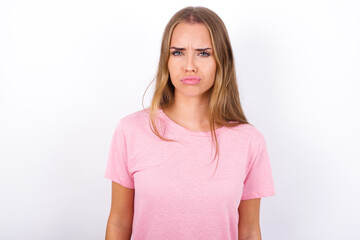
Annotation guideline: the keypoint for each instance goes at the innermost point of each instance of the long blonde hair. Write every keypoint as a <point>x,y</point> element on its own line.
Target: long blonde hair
<point>224,101</point>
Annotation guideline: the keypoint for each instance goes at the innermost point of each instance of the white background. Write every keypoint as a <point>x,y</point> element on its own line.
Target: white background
<point>69,70</point>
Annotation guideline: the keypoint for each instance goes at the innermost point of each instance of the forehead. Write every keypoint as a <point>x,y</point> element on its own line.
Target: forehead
<point>195,34</point>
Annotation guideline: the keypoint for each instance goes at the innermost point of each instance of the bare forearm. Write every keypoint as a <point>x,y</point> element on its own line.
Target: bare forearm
<point>258,237</point>
<point>249,234</point>
<point>116,232</point>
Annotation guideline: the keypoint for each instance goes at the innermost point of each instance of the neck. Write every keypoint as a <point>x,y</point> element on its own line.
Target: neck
<point>190,112</point>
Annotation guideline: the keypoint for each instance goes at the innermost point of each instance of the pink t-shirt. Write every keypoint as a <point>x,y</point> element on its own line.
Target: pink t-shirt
<point>176,196</point>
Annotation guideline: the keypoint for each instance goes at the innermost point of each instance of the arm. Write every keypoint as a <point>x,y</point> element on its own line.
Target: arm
<point>119,225</point>
<point>249,226</point>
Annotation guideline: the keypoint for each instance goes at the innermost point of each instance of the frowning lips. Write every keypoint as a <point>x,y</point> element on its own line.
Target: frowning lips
<point>191,78</point>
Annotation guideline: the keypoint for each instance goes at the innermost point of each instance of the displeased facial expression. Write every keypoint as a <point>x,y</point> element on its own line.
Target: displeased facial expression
<point>191,54</point>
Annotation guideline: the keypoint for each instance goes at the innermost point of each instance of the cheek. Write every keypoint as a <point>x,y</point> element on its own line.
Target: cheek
<point>171,66</point>
<point>211,69</point>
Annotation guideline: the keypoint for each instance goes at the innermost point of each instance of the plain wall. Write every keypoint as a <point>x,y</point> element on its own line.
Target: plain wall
<point>69,70</point>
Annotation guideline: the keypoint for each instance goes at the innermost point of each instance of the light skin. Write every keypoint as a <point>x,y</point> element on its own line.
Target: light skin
<point>249,222</point>
<point>190,108</point>
<point>119,225</point>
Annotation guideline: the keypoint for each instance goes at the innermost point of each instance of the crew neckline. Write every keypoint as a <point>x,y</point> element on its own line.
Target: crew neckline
<point>188,131</point>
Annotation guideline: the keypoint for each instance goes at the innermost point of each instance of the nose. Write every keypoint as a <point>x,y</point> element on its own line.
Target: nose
<point>189,65</point>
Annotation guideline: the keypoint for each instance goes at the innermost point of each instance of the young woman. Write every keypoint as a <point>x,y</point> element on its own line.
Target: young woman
<point>165,182</point>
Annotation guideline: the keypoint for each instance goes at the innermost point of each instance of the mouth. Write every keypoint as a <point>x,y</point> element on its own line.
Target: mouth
<point>191,80</point>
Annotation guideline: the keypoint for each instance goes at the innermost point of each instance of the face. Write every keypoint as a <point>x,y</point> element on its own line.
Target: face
<point>191,54</point>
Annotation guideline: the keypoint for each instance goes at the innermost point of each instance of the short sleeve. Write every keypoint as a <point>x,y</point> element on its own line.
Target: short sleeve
<point>117,168</point>
<point>259,180</point>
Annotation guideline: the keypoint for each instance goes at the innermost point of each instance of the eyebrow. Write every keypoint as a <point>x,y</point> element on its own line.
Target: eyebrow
<point>197,49</point>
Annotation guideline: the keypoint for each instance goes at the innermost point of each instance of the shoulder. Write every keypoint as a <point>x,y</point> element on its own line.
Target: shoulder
<point>250,132</point>
<point>134,121</point>
<point>135,117</point>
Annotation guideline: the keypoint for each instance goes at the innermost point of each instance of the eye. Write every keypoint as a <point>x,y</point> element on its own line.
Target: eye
<point>174,53</point>
<point>206,54</point>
